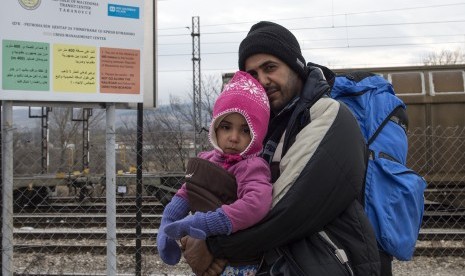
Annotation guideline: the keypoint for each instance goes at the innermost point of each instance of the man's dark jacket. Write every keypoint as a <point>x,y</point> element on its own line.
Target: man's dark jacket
<point>322,171</point>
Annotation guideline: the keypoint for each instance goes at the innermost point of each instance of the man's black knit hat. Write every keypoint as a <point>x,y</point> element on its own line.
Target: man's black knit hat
<point>270,38</point>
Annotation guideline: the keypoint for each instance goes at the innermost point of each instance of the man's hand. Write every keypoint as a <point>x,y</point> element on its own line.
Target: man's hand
<point>199,258</point>
<point>216,267</point>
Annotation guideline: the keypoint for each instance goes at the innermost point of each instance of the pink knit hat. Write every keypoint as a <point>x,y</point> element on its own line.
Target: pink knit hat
<point>245,95</point>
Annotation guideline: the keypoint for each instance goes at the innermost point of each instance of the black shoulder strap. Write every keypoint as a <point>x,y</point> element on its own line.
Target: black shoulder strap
<point>398,116</point>
<point>357,75</point>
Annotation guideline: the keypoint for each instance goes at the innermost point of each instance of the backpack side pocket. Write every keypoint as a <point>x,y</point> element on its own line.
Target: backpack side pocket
<point>394,202</point>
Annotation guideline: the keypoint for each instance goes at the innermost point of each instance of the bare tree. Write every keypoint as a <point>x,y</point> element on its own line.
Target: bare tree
<point>27,151</point>
<point>211,89</point>
<point>182,111</point>
<point>66,134</point>
<point>445,57</point>
<point>168,130</point>
<point>97,152</point>
<point>63,137</point>
<point>166,137</point>
<point>175,131</point>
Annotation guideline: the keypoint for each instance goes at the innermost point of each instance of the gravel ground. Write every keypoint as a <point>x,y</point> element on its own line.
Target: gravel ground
<point>87,264</point>
<point>431,266</point>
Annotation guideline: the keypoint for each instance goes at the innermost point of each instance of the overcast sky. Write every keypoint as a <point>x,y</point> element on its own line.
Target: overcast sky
<point>337,33</point>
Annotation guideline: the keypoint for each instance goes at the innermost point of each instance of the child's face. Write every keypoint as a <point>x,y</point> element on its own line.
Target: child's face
<point>233,134</point>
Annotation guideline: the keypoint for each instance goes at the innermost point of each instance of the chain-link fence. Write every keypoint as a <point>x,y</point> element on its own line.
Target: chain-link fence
<point>60,215</point>
<point>438,154</point>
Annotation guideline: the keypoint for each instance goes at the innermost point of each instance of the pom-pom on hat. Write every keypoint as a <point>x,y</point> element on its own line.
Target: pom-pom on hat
<point>243,94</point>
<point>273,39</point>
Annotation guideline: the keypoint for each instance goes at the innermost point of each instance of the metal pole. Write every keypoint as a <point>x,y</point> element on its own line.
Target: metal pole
<point>44,132</point>
<point>196,83</point>
<point>140,110</point>
<point>111,189</point>
<point>86,113</point>
<point>45,136</point>
<point>7,188</point>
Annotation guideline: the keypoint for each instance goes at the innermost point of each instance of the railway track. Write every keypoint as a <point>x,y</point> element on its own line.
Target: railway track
<point>67,226</point>
<point>94,241</point>
<point>96,249</point>
<point>76,220</point>
<point>442,216</point>
<point>93,205</point>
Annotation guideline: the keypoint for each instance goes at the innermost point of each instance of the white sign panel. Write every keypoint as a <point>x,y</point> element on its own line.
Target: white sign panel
<point>72,50</point>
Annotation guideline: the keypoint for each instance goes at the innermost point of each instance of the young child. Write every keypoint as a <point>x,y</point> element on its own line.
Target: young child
<point>239,124</point>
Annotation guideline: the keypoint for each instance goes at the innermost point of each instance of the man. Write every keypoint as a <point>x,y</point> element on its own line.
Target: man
<point>318,160</point>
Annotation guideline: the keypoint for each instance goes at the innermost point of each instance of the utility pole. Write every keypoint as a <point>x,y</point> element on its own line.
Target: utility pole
<point>197,99</point>
<point>45,135</point>
<point>86,113</point>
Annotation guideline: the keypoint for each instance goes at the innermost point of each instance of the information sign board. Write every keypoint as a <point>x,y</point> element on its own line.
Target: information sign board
<point>72,50</point>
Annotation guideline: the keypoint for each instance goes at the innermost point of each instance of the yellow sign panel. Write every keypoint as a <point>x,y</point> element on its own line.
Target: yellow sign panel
<point>74,68</point>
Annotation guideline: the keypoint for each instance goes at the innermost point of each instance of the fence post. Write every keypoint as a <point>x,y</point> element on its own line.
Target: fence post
<point>111,189</point>
<point>7,188</point>
<point>139,144</point>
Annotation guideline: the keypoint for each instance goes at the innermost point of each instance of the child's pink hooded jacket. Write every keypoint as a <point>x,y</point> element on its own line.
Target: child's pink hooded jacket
<point>244,95</point>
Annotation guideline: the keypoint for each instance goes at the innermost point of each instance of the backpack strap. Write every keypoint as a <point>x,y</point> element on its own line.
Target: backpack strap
<point>329,75</point>
<point>357,76</point>
<point>398,116</point>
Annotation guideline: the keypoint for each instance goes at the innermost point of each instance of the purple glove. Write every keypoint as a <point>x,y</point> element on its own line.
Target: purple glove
<point>200,225</point>
<point>168,248</point>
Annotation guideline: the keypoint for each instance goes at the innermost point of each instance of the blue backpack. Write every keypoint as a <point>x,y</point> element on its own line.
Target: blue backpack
<point>393,194</point>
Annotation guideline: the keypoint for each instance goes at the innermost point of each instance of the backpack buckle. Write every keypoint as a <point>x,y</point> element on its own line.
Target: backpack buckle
<point>371,154</point>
